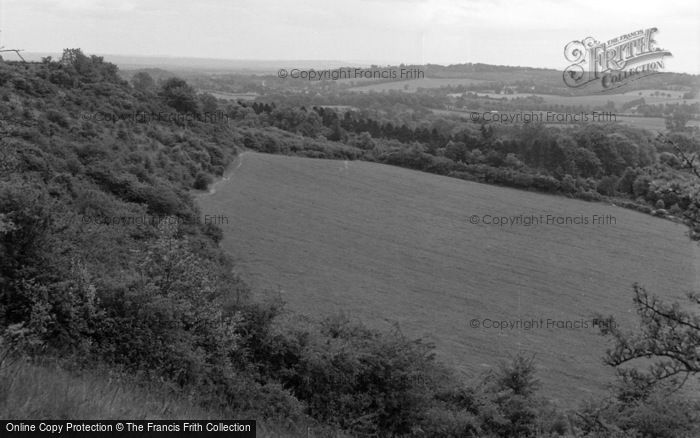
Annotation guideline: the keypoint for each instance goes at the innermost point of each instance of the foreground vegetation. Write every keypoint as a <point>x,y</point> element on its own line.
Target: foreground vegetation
<point>157,301</point>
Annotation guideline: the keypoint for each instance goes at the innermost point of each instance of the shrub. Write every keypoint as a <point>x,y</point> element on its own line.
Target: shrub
<point>661,413</point>
<point>202,181</point>
<point>640,187</point>
<point>363,380</point>
<point>176,93</point>
<point>568,184</point>
<point>607,186</point>
<point>57,118</point>
<point>511,389</point>
<point>588,195</point>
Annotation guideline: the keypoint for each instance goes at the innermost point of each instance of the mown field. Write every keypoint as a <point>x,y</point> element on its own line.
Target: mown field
<point>414,84</point>
<point>386,244</point>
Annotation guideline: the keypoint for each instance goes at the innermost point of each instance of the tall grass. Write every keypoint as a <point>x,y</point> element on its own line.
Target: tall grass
<point>48,391</point>
<point>31,391</point>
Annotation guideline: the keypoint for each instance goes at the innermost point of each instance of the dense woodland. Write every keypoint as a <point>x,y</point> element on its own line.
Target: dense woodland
<point>158,304</point>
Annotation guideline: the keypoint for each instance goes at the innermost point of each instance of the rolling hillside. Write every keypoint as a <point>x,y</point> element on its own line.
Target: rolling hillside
<point>388,244</point>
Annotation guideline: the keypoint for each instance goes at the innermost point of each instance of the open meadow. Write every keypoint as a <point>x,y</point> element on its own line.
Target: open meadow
<point>385,244</point>
<point>414,84</point>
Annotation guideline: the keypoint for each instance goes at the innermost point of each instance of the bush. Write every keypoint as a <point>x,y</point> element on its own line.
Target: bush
<point>177,94</point>
<point>641,184</point>
<point>511,390</point>
<point>588,195</point>
<point>607,186</point>
<point>348,375</point>
<point>368,383</point>
<point>660,413</point>
<point>202,181</point>
<point>57,118</point>
<point>568,184</point>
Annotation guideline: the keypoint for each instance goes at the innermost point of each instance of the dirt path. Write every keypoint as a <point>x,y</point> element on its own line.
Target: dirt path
<point>227,174</point>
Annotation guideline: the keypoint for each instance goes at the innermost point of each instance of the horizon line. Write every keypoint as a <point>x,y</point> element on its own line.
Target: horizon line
<point>337,61</point>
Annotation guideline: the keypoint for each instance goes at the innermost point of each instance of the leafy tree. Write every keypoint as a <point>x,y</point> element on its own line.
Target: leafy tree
<point>142,81</point>
<point>509,406</point>
<point>568,184</point>
<point>677,121</point>
<point>513,162</point>
<point>607,186</point>
<point>668,334</point>
<point>24,241</point>
<point>587,163</point>
<point>659,412</point>
<point>202,181</point>
<point>337,133</point>
<point>89,68</point>
<point>176,93</point>
<point>626,182</point>
<point>364,141</point>
<point>641,184</point>
<point>456,151</point>
<point>209,104</point>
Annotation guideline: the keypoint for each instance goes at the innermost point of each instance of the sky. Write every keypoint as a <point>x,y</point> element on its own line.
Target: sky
<point>523,33</point>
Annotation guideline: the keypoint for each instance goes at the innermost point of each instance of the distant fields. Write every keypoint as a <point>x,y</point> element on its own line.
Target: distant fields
<point>601,99</point>
<point>653,124</point>
<point>651,97</point>
<point>233,96</point>
<point>386,244</point>
<point>415,84</point>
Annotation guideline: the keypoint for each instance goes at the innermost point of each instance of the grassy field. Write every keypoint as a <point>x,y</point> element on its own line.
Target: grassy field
<point>46,391</point>
<point>653,124</point>
<point>388,244</point>
<point>601,99</point>
<point>31,391</point>
<point>233,96</point>
<point>415,84</point>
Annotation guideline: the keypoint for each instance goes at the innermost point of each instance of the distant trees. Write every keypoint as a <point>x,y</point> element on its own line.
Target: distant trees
<point>89,68</point>
<point>177,94</point>
<point>542,156</point>
<point>587,163</point>
<point>607,186</point>
<point>142,81</point>
<point>209,104</point>
<point>456,151</point>
<point>364,141</point>
<point>677,120</point>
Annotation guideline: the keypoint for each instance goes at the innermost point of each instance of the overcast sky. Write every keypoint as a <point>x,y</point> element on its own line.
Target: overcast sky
<point>527,33</point>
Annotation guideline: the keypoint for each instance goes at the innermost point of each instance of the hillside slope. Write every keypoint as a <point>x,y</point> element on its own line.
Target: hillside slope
<point>389,244</point>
